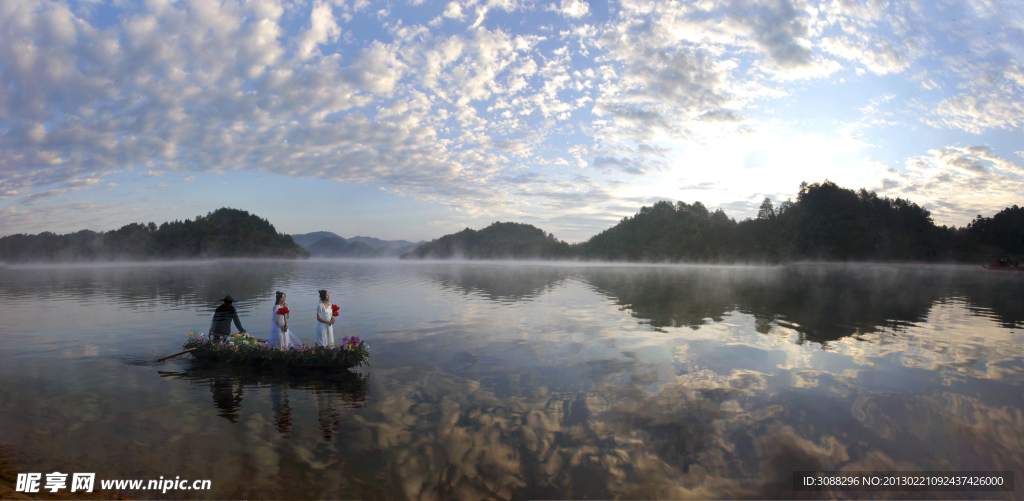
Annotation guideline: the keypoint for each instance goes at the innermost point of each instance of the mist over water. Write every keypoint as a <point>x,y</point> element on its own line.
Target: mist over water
<point>520,380</point>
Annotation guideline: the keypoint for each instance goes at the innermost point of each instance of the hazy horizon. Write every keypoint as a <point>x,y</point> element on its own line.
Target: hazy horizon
<point>569,262</point>
<point>412,120</point>
<point>399,238</point>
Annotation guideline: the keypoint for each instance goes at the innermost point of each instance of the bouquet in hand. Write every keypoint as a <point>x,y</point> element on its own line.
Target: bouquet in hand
<point>283,310</point>
<point>334,310</point>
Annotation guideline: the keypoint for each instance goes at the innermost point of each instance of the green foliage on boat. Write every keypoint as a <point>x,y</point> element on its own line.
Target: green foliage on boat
<point>242,349</point>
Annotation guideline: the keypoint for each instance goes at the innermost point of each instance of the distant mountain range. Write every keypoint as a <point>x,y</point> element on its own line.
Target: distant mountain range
<point>327,244</point>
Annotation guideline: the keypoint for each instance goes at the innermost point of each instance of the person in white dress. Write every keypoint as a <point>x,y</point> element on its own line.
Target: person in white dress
<point>280,335</point>
<point>325,321</point>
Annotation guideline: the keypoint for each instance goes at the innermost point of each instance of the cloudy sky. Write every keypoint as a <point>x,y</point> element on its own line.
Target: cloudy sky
<point>412,118</point>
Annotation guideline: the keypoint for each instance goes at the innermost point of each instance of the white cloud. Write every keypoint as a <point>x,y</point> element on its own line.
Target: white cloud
<point>457,9</point>
<point>456,111</point>
<point>323,28</point>
<point>37,133</point>
<point>868,10</point>
<point>976,112</point>
<point>572,8</point>
<point>956,183</point>
<point>376,69</point>
<point>454,11</point>
<point>879,55</point>
<point>885,38</point>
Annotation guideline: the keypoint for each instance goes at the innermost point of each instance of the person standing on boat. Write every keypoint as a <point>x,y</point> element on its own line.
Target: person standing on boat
<point>280,335</point>
<point>325,320</point>
<point>222,318</point>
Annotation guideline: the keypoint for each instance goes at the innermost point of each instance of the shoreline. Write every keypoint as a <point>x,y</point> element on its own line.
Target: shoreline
<point>582,262</point>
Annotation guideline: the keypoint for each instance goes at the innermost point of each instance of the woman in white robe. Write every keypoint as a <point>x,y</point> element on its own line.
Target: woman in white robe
<point>325,320</point>
<point>280,335</point>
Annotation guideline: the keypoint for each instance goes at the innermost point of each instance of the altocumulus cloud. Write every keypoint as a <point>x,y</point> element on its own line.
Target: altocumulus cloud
<point>453,103</point>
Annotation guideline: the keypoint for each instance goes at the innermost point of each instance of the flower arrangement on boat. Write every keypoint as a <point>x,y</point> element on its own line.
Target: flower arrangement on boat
<point>245,349</point>
<point>242,339</point>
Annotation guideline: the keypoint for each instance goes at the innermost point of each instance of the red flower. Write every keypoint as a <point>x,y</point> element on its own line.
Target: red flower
<point>283,310</point>
<point>335,308</point>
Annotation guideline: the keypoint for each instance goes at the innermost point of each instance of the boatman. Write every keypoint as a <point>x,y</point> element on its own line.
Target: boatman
<point>222,318</point>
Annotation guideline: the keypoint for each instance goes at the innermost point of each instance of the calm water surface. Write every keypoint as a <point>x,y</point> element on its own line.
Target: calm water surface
<point>520,381</point>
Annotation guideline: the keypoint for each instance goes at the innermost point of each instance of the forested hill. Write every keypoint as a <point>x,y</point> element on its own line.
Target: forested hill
<point>497,241</point>
<point>220,234</point>
<point>665,232</point>
<point>826,222</point>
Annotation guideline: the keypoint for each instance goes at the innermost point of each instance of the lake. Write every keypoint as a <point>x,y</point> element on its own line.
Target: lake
<point>519,380</point>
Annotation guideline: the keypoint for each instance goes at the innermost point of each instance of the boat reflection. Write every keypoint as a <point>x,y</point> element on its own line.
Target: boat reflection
<point>334,392</point>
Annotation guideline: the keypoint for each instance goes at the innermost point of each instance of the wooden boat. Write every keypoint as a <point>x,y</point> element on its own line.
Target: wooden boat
<point>245,349</point>
<point>1000,263</point>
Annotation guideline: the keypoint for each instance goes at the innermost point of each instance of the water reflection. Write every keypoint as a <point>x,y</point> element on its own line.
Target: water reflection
<point>335,392</point>
<point>497,282</point>
<point>135,286</point>
<point>446,437</point>
<point>282,409</point>
<point>227,396</point>
<point>536,381</point>
<point>823,302</point>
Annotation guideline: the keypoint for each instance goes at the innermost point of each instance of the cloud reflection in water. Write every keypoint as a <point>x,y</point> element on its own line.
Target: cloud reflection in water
<point>541,381</point>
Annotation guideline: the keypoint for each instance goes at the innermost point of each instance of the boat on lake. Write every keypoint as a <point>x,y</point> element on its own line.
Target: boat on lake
<point>1002,263</point>
<point>245,349</point>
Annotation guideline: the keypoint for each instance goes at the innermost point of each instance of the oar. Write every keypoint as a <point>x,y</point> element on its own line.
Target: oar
<point>176,354</point>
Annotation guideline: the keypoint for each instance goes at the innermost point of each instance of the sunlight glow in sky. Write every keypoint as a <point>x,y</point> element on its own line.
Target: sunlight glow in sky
<point>409,119</point>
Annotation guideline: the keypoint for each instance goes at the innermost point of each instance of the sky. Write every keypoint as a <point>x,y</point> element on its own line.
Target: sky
<point>411,119</point>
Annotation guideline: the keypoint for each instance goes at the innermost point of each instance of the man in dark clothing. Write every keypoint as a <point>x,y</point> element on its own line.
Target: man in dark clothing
<point>222,318</point>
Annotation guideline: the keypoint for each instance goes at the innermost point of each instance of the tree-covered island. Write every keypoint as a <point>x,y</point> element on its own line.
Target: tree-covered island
<point>826,222</point>
<point>497,241</point>
<point>224,233</point>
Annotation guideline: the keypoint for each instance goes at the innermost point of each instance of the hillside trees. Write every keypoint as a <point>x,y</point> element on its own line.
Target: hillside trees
<point>221,233</point>
<point>826,222</point>
<point>497,241</point>
<point>1002,233</point>
<point>665,231</point>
